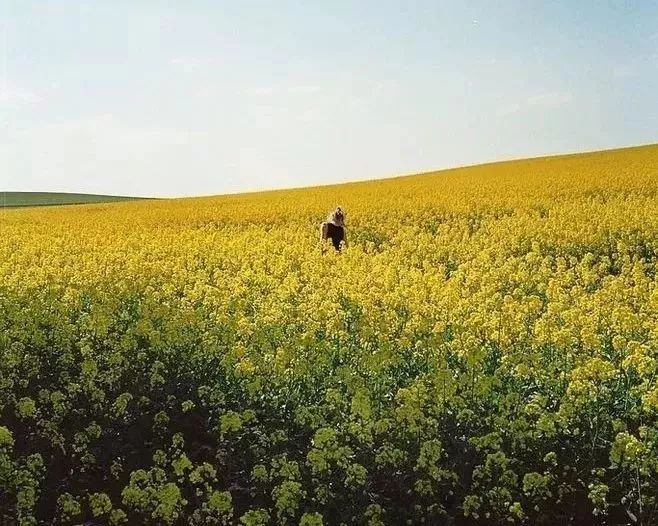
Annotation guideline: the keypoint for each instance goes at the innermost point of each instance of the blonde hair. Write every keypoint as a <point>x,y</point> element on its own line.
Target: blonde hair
<point>337,217</point>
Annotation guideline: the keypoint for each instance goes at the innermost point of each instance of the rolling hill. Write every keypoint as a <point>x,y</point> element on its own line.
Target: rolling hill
<point>20,199</point>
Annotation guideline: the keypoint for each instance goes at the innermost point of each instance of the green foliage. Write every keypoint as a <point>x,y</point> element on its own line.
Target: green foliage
<point>287,497</point>
<point>598,494</point>
<point>230,422</point>
<point>68,507</point>
<point>100,504</point>
<point>536,485</point>
<point>311,519</point>
<point>148,494</point>
<point>117,517</point>
<point>259,517</point>
<point>26,407</point>
<point>220,502</point>
<point>121,403</point>
<point>6,438</point>
<point>217,509</point>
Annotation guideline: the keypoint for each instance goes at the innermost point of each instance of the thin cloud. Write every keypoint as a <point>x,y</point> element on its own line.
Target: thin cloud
<point>635,67</point>
<point>13,97</point>
<point>267,91</point>
<point>623,70</point>
<point>111,137</point>
<point>259,91</point>
<point>551,100</point>
<point>191,64</point>
<point>309,115</point>
<point>96,153</point>
<point>304,89</point>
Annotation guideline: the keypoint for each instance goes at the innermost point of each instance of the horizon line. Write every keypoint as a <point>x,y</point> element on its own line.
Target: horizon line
<point>338,183</point>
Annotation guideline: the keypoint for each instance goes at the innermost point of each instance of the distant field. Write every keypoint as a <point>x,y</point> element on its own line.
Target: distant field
<point>14,199</point>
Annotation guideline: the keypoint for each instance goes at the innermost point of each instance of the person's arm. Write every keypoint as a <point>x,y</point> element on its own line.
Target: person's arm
<point>323,231</point>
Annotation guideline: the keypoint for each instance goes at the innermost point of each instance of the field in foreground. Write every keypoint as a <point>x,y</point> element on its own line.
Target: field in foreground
<point>17,199</point>
<point>484,352</point>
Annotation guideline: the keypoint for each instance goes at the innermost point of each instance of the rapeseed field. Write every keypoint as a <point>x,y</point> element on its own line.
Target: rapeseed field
<point>485,351</point>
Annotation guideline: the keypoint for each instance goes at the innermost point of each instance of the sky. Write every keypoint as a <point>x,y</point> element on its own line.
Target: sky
<point>200,97</point>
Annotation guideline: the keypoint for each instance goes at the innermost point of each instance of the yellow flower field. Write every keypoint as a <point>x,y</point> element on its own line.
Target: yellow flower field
<point>486,350</point>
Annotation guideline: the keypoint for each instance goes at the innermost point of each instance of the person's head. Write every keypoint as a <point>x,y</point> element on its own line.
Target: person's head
<point>337,216</point>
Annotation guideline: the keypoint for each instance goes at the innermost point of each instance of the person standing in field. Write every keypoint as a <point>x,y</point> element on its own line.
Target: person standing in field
<point>334,228</point>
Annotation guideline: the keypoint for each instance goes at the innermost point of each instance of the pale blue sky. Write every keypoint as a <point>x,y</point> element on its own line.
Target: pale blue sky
<point>194,97</point>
